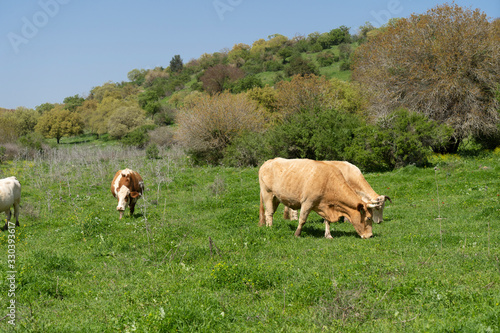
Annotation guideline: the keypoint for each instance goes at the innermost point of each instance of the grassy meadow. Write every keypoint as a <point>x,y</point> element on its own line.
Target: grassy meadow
<point>193,258</point>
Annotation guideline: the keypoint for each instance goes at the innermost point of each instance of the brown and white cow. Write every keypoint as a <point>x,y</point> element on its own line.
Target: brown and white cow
<point>357,181</point>
<point>127,186</point>
<point>311,186</point>
<point>10,195</point>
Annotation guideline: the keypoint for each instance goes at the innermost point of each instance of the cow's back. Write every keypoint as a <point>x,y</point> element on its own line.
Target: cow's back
<point>355,179</point>
<point>10,192</point>
<point>136,182</point>
<point>296,180</point>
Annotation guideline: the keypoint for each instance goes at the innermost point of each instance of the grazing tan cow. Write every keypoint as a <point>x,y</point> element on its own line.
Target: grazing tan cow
<point>10,195</point>
<point>127,186</point>
<point>311,186</point>
<point>357,181</point>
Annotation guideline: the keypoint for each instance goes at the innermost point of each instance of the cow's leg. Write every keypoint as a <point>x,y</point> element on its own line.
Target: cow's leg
<point>286,213</point>
<point>305,209</point>
<point>271,204</point>
<point>132,206</point>
<point>290,214</point>
<point>16,212</point>
<point>6,226</point>
<point>327,230</point>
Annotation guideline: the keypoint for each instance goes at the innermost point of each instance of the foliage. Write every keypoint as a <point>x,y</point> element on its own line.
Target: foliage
<point>176,64</point>
<point>218,78</point>
<point>3,150</point>
<point>42,108</point>
<point>248,150</point>
<point>246,83</point>
<point>137,76</point>
<point>16,123</point>
<point>72,102</point>
<point>33,140</point>
<point>314,133</point>
<point>137,137</point>
<point>444,64</point>
<point>149,101</point>
<point>162,136</point>
<point>59,122</point>
<point>210,123</point>
<point>400,139</point>
<point>310,92</point>
<point>124,120</point>
<point>152,151</point>
<point>300,66</point>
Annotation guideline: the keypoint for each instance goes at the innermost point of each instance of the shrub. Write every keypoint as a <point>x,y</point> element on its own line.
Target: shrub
<point>152,152</point>
<point>210,123</point>
<point>400,139</point>
<point>345,65</point>
<point>3,150</point>
<point>246,83</point>
<point>138,137</point>
<point>300,66</point>
<point>247,150</point>
<point>315,133</point>
<point>33,140</point>
<point>325,59</point>
<point>162,136</point>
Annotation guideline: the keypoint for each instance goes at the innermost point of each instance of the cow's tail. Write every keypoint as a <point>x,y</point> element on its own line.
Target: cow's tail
<point>262,216</point>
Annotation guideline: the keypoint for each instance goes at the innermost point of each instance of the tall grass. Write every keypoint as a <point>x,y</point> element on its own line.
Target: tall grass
<point>192,257</point>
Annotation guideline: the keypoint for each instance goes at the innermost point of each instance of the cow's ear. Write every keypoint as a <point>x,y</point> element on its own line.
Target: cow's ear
<point>361,208</point>
<point>134,194</point>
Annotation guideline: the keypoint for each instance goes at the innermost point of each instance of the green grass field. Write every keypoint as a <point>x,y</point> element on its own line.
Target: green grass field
<point>192,258</point>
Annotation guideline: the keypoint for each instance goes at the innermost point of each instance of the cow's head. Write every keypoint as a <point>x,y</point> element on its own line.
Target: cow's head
<point>363,222</point>
<point>378,210</point>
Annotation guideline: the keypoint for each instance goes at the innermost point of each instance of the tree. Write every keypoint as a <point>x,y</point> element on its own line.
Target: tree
<point>218,78</point>
<point>300,66</point>
<point>72,102</point>
<point>176,64</point>
<point>444,64</point>
<point>44,107</point>
<point>137,76</point>
<point>59,122</point>
<point>124,120</point>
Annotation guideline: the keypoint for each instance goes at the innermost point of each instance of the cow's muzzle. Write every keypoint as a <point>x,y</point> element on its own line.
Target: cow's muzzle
<point>367,235</point>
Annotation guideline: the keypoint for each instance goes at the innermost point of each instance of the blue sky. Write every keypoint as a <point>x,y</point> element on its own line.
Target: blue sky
<point>52,49</point>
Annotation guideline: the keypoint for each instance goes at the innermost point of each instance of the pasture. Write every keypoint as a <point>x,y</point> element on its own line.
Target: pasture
<point>192,258</point>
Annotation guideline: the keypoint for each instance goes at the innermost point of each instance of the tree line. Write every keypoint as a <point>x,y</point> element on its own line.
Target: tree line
<point>424,83</point>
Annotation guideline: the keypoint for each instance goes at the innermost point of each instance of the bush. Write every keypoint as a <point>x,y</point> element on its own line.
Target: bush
<point>152,152</point>
<point>402,138</point>
<point>138,137</point>
<point>33,140</point>
<point>162,136</point>
<point>345,65</point>
<point>247,150</point>
<point>316,133</point>
<point>325,59</point>
<point>208,124</point>
<point>300,66</point>
<point>3,150</point>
